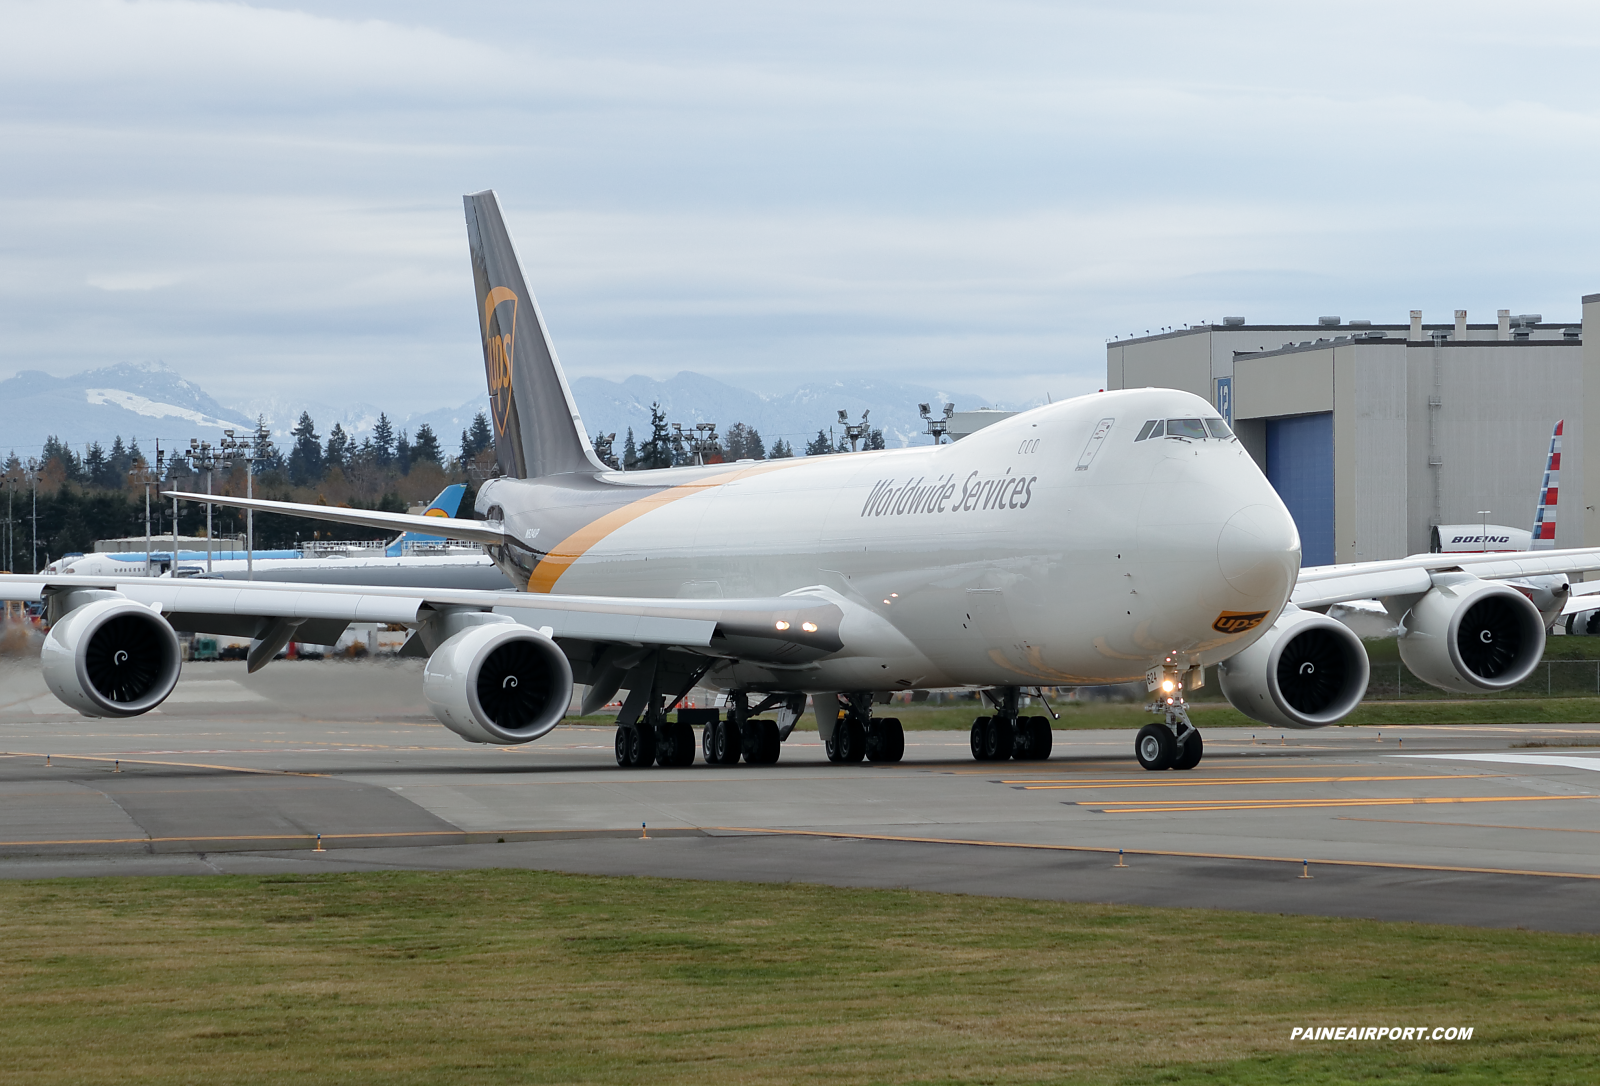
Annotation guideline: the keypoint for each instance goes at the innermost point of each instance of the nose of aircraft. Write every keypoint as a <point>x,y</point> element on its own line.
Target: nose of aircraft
<point>1258,552</point>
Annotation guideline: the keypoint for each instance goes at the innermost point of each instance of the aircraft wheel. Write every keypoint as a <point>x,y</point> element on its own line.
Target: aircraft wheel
<point>674,745</point>
<point>761,743</point>
<point>1044,739</point>
<point>999,738</point>
<point>636,746</point>
<point>1155,747</point>
<point>722,746</point>
<point>980,729</point>
<point>1033,739</point>
<point>1190,752</point>
<point>849,742</point>
<point>886,740</point>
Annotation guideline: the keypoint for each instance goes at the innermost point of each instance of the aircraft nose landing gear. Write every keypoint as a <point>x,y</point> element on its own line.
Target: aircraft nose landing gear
<point>1174,743</point>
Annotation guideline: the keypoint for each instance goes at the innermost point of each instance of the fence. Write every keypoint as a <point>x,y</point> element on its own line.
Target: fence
<point>1551,679</point>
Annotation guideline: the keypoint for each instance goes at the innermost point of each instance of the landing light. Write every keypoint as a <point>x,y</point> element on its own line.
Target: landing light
<point>809,627</point>
<point>1167,686</point>
<point>780,624</point>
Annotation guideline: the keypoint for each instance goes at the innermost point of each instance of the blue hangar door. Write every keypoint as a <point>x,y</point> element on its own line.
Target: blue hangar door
<point>1300,468</point>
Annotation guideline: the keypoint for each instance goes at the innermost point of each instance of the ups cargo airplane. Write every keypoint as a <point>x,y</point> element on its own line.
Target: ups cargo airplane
<point>1111,538</point>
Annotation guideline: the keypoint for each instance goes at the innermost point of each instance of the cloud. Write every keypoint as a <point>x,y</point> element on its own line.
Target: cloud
<point>267,196</point>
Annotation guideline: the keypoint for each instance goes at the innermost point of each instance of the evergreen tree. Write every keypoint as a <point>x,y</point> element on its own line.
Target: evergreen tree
<point>476,438</point>
<point>630,453</point>
<point>135,457</point>
<point>425,446</point>
<point>118,464</point>
<point>402,453</point>
<point>383,441</point>
<point>875,440</point>
<point>680,454</point>
<point>95,465</point>
<point>268,458</point>
<point>781,450</point>
<point>744,443</point>
<point>339,448</point>
<point>821,445</point>
<point>657,451</point>
<point>305,457</point>
<point>58,450</point>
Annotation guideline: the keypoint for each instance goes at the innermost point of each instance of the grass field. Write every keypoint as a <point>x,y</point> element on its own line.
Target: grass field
<point>499,976</point>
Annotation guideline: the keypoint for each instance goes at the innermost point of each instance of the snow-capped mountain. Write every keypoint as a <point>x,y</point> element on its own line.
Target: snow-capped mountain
<point>689,398</point>
<point>146,400</point>
<point>150,400</point>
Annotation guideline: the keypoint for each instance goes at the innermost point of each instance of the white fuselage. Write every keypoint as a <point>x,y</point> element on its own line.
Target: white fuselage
<point>1032,553</point>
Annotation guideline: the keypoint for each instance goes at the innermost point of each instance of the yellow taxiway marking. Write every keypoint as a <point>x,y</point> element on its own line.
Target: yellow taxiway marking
<point>1183,805</point>
<point>1135,782</point>
<point>178,765</point>
<point>329,838</point>
<point>1469,825</point>
<point>1295,860</point>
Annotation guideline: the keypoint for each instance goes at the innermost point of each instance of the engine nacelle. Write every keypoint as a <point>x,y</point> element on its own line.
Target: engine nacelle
<point>1307,671</point>
<point>1469,635</point>
<point>499,683</point>
<point>111,657</point>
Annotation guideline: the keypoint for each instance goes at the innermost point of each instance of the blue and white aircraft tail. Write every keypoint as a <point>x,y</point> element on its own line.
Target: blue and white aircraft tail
<point>447,504</point>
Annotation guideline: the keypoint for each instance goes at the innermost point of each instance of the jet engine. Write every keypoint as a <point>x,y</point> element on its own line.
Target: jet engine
<point>111,657</point>
<point>1307,671</point>
<point>498,683</point>
<point>1469,635</point>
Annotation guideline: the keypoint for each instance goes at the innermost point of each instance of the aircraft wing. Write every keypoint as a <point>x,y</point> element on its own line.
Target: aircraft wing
<point>476,531</point>
<point>1320,586</point>
<point>780,629</point>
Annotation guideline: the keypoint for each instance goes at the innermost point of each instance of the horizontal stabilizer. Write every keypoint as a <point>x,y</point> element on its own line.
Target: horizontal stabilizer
<point>475,531</point>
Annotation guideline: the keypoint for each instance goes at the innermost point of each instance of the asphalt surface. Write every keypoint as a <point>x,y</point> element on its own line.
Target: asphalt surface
<point>238,773</point>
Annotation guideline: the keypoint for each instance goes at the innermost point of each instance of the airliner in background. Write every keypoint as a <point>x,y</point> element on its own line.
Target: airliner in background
<point>411,559</point>
<point>1110,538</point>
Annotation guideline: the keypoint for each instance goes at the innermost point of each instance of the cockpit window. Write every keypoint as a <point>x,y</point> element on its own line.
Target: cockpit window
<point>1192,429</point>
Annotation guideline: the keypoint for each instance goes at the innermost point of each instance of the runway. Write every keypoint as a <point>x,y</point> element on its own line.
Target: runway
<point>238,773</point>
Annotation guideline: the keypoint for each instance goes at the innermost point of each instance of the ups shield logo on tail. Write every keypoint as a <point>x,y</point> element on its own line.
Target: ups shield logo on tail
<point>499,348</point>
<point>1237,622</point>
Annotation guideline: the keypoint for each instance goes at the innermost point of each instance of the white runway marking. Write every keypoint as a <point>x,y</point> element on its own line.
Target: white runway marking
<point>211,690</point>
<point>1569,761</point>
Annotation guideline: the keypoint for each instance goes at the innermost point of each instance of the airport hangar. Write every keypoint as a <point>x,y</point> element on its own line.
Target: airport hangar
<point>1357,423</point>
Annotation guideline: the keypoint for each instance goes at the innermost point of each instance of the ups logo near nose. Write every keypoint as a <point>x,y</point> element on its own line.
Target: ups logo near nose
<point>1237,622</point>
<point>499,348</point>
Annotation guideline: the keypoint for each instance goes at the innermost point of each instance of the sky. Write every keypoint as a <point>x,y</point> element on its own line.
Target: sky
<point>973,195</point>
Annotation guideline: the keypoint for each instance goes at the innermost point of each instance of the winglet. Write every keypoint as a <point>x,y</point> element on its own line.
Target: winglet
<point>537,430</point>
<point>1544,518</point>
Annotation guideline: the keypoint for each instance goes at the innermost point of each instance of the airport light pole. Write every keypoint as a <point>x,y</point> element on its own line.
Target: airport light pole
<point>937,426</point>
<point>202,456</point>
<point>233,449</point>
<point>856,431</point>
<point>150,478</point>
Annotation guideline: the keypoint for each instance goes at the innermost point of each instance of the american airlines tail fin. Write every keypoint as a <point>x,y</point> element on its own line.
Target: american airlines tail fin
<point>1544,518</point>
<point>537,431</point>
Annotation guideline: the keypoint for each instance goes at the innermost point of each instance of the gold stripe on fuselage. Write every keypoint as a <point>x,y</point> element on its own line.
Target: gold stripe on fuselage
<point>576,545</point>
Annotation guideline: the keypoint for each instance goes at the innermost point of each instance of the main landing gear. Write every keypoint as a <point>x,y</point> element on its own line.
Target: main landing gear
<point>1008,735</point>
<point>857,734</point>
<point>1175,742</point>
<point>655,740</point>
